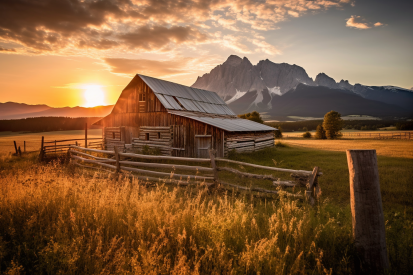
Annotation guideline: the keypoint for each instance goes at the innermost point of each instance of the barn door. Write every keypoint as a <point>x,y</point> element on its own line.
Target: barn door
<point>203,144</point>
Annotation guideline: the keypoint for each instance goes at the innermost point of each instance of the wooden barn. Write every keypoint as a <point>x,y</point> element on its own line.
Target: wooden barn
<point>179,121</point>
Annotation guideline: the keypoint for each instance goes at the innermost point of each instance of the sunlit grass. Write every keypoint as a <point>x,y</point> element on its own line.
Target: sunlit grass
<point>389,147</point>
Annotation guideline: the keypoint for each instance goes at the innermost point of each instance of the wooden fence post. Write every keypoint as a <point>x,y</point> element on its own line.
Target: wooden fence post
<point>24,143</point>
<point>310,193</point>
<point>55,147</point>
<point>213,165</point>
<point>86,135</point>
<point>20,152</point>
<point>41,155</point>
<point>367,210</point>
<point>117,159</point>
<point>15,147</point>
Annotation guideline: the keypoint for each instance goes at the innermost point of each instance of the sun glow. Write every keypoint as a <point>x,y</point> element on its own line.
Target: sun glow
<point>94,95</point>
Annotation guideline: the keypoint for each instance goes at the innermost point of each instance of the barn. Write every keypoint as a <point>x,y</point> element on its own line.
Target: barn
<point>179,121</point>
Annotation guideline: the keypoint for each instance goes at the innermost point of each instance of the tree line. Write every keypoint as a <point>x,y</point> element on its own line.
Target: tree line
<point>46,124</point>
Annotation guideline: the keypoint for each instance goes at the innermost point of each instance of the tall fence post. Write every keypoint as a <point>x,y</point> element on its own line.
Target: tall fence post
<point>41,155</point>
<point>213,165</point>
<point>117,159</point>
<point>15,147</point>
<point>367,210</point>
<point>24,144</point>
<point>86,135</point>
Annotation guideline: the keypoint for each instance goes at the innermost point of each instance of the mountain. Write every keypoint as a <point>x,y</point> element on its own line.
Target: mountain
<point>265,87</point>
<point>12,110</point>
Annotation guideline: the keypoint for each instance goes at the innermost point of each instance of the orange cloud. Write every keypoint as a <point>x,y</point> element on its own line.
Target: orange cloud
<point>357,22</point>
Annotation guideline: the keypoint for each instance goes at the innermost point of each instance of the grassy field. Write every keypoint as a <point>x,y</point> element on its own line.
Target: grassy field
<point>33,140</point>
<point>391,148</point>
<point>58,219</point>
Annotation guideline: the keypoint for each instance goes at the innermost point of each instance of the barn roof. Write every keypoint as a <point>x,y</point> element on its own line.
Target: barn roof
<point>227,123</point>
<point>174,96</point>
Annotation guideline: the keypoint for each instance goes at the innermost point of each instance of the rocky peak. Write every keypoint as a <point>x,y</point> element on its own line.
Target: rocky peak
<point>324,80</point>
<point>234,60</point>
<point>345,85</point>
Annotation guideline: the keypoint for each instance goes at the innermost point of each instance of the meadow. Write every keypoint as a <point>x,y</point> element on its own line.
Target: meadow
<point>58,219</point>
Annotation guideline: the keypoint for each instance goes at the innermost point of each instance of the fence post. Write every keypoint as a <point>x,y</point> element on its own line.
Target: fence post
<point>213,165</point>
<point>20,152</point>
<point>55,147</point>
<point>117,159</point>
<point>311,184</point>
<point>41,155</point>
<point>367,210</point>
<point>86,135</point>
<point>24,142</point>
<point>15,147</point>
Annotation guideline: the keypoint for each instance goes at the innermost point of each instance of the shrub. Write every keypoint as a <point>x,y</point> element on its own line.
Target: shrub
<point>307,135</point>
<point>320,133</point>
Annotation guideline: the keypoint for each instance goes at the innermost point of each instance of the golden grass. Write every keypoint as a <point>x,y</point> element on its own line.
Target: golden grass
<point>352,132</point>
<point>59,221</point>
<point>33,140</point>
<point>389,147</point>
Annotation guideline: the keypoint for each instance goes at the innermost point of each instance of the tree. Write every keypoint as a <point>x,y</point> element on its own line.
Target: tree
<point>332,124</point>
<point>254,116</point>
<point>320,133</point>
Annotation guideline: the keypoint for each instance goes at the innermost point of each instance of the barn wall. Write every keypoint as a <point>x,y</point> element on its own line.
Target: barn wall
<point>248,142</point>
<point>184,136</point>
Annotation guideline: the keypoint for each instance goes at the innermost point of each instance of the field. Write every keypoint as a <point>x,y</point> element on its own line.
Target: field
<point>33,140</point>
<point>58,219</point>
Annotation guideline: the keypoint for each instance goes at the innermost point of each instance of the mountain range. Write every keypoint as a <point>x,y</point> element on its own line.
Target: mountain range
<point>286,90</point>
<point>12,110</point>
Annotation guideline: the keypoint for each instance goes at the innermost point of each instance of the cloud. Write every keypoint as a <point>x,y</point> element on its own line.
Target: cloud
<point>155,38</point>
<point>7,50</point>
<point>56,26</point>
<point>359,22</point>
<point>148,67</point>
<point>266,47</point>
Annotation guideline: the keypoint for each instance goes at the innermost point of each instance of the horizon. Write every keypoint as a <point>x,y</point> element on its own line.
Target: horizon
<point>88,56</point>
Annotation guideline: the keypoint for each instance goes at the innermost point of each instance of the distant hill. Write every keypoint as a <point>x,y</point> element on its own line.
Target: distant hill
<point>12,110</point>
<point>285,89</point>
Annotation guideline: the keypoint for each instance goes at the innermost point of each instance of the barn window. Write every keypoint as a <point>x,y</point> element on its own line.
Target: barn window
<point>159,135</point>
<point>146,136</point>
<point>142,97</point>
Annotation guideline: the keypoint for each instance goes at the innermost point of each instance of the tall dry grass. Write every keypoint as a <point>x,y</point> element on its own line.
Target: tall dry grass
<point>60,220</point>
<point>55,220</point>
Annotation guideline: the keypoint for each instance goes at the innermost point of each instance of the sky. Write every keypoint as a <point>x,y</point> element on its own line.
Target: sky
<point>77,52</point>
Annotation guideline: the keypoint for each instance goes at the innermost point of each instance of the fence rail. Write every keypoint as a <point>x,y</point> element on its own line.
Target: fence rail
<point>117,163</point>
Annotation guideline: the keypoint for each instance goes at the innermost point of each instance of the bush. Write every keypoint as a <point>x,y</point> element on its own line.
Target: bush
<point>307,135</point>
<point>320,133</point>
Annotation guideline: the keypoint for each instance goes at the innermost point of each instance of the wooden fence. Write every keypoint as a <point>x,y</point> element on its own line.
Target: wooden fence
<point>399,135</point>
<point>54,147</point>
<point>123,162</point>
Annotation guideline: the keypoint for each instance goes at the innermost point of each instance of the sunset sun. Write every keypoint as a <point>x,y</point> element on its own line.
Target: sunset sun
<point>94,96</point>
